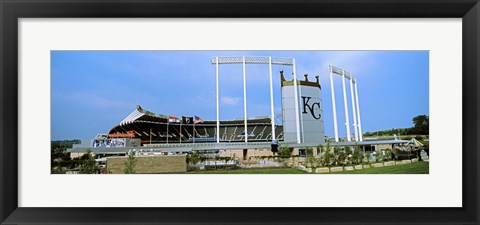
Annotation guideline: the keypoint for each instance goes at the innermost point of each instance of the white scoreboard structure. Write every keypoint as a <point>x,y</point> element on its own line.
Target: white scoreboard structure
<point>308,104</point>
<point>302,109</point>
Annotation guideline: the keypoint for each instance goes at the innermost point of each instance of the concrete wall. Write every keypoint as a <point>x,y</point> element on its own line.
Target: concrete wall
<point>150,164</point>
<point>239,153</point>
<point>384,146</point>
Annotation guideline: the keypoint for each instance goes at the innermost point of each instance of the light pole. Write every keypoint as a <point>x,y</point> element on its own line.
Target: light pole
<point>357,124</point>
<point>256,60</point>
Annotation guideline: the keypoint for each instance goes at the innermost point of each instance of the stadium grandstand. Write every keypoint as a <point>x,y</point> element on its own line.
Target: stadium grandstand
<point>152,128</point>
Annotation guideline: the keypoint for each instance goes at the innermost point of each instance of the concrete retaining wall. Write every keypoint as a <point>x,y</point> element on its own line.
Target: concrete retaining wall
<point>336,169</point>
<point>322,170</point>
<point>358,167</point>
<point>149,164</point>
<point>390,163</point>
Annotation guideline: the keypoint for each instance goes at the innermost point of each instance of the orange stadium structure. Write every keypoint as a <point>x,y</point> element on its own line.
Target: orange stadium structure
<point>129,134</point>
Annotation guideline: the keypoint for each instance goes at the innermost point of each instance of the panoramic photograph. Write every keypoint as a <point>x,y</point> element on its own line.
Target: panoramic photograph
<point>239,112</point>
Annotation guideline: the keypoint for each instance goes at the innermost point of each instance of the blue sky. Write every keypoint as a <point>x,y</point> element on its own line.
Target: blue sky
<point>92,91</point>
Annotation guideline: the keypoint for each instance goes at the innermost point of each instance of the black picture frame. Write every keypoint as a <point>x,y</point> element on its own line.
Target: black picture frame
<point>11,11</point>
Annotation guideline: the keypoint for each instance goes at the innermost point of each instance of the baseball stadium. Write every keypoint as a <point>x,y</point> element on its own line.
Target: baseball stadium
<point>300,126</point>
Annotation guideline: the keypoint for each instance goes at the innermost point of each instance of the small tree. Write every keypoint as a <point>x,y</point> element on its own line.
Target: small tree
<point>130,163</point>
<point>388,154</point>
<point>348,155</point>
<point>311,160</point>
<point>284,153</point>
<point>309,151</point>
<point>357,155</point>
<point>327,157</point>
<point>340,156</point>
<point>421,124</point>
<point>88,164</point>
<point>317,162</point>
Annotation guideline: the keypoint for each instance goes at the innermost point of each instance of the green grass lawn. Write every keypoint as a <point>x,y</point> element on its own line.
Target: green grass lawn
<point>252,171</point>
<point>412,168</point>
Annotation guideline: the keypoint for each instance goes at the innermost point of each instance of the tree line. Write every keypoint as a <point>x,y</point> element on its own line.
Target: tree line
<point>61,160</point>
<point>420,127</point>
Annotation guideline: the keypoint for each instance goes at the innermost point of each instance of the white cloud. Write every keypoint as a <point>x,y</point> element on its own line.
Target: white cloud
<point>229,100</point>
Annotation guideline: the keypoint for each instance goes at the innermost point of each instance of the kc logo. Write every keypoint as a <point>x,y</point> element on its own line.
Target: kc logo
<point>311,108</point>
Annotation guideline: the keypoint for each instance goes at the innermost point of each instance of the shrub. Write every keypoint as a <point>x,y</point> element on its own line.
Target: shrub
<point>285,152</point>
<point>130,163</point>
<point>366,157</point>
<point>327,158</point>
<point>389,154</point>
<point>193,158</point>
<point>340,156</point>
<point>88,165</point>
<point>314,162</point>
<point>379,157</point>
<point>348,155</point>
<point>357,155</point>
<point>311,160</point>
<point>309,152</point>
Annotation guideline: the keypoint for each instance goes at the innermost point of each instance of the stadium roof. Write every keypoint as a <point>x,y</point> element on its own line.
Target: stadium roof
<point>141,114</point>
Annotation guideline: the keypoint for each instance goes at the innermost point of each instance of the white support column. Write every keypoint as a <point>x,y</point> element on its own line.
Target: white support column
<point>218,111</point>
<point>347,122</point>
<point>353,109</point>
<point>334,106</point>
<point>245,99</point>
<point>358,113</point>
<point>271,99</point>
<point>295,86</point>
<point>301,116</point>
